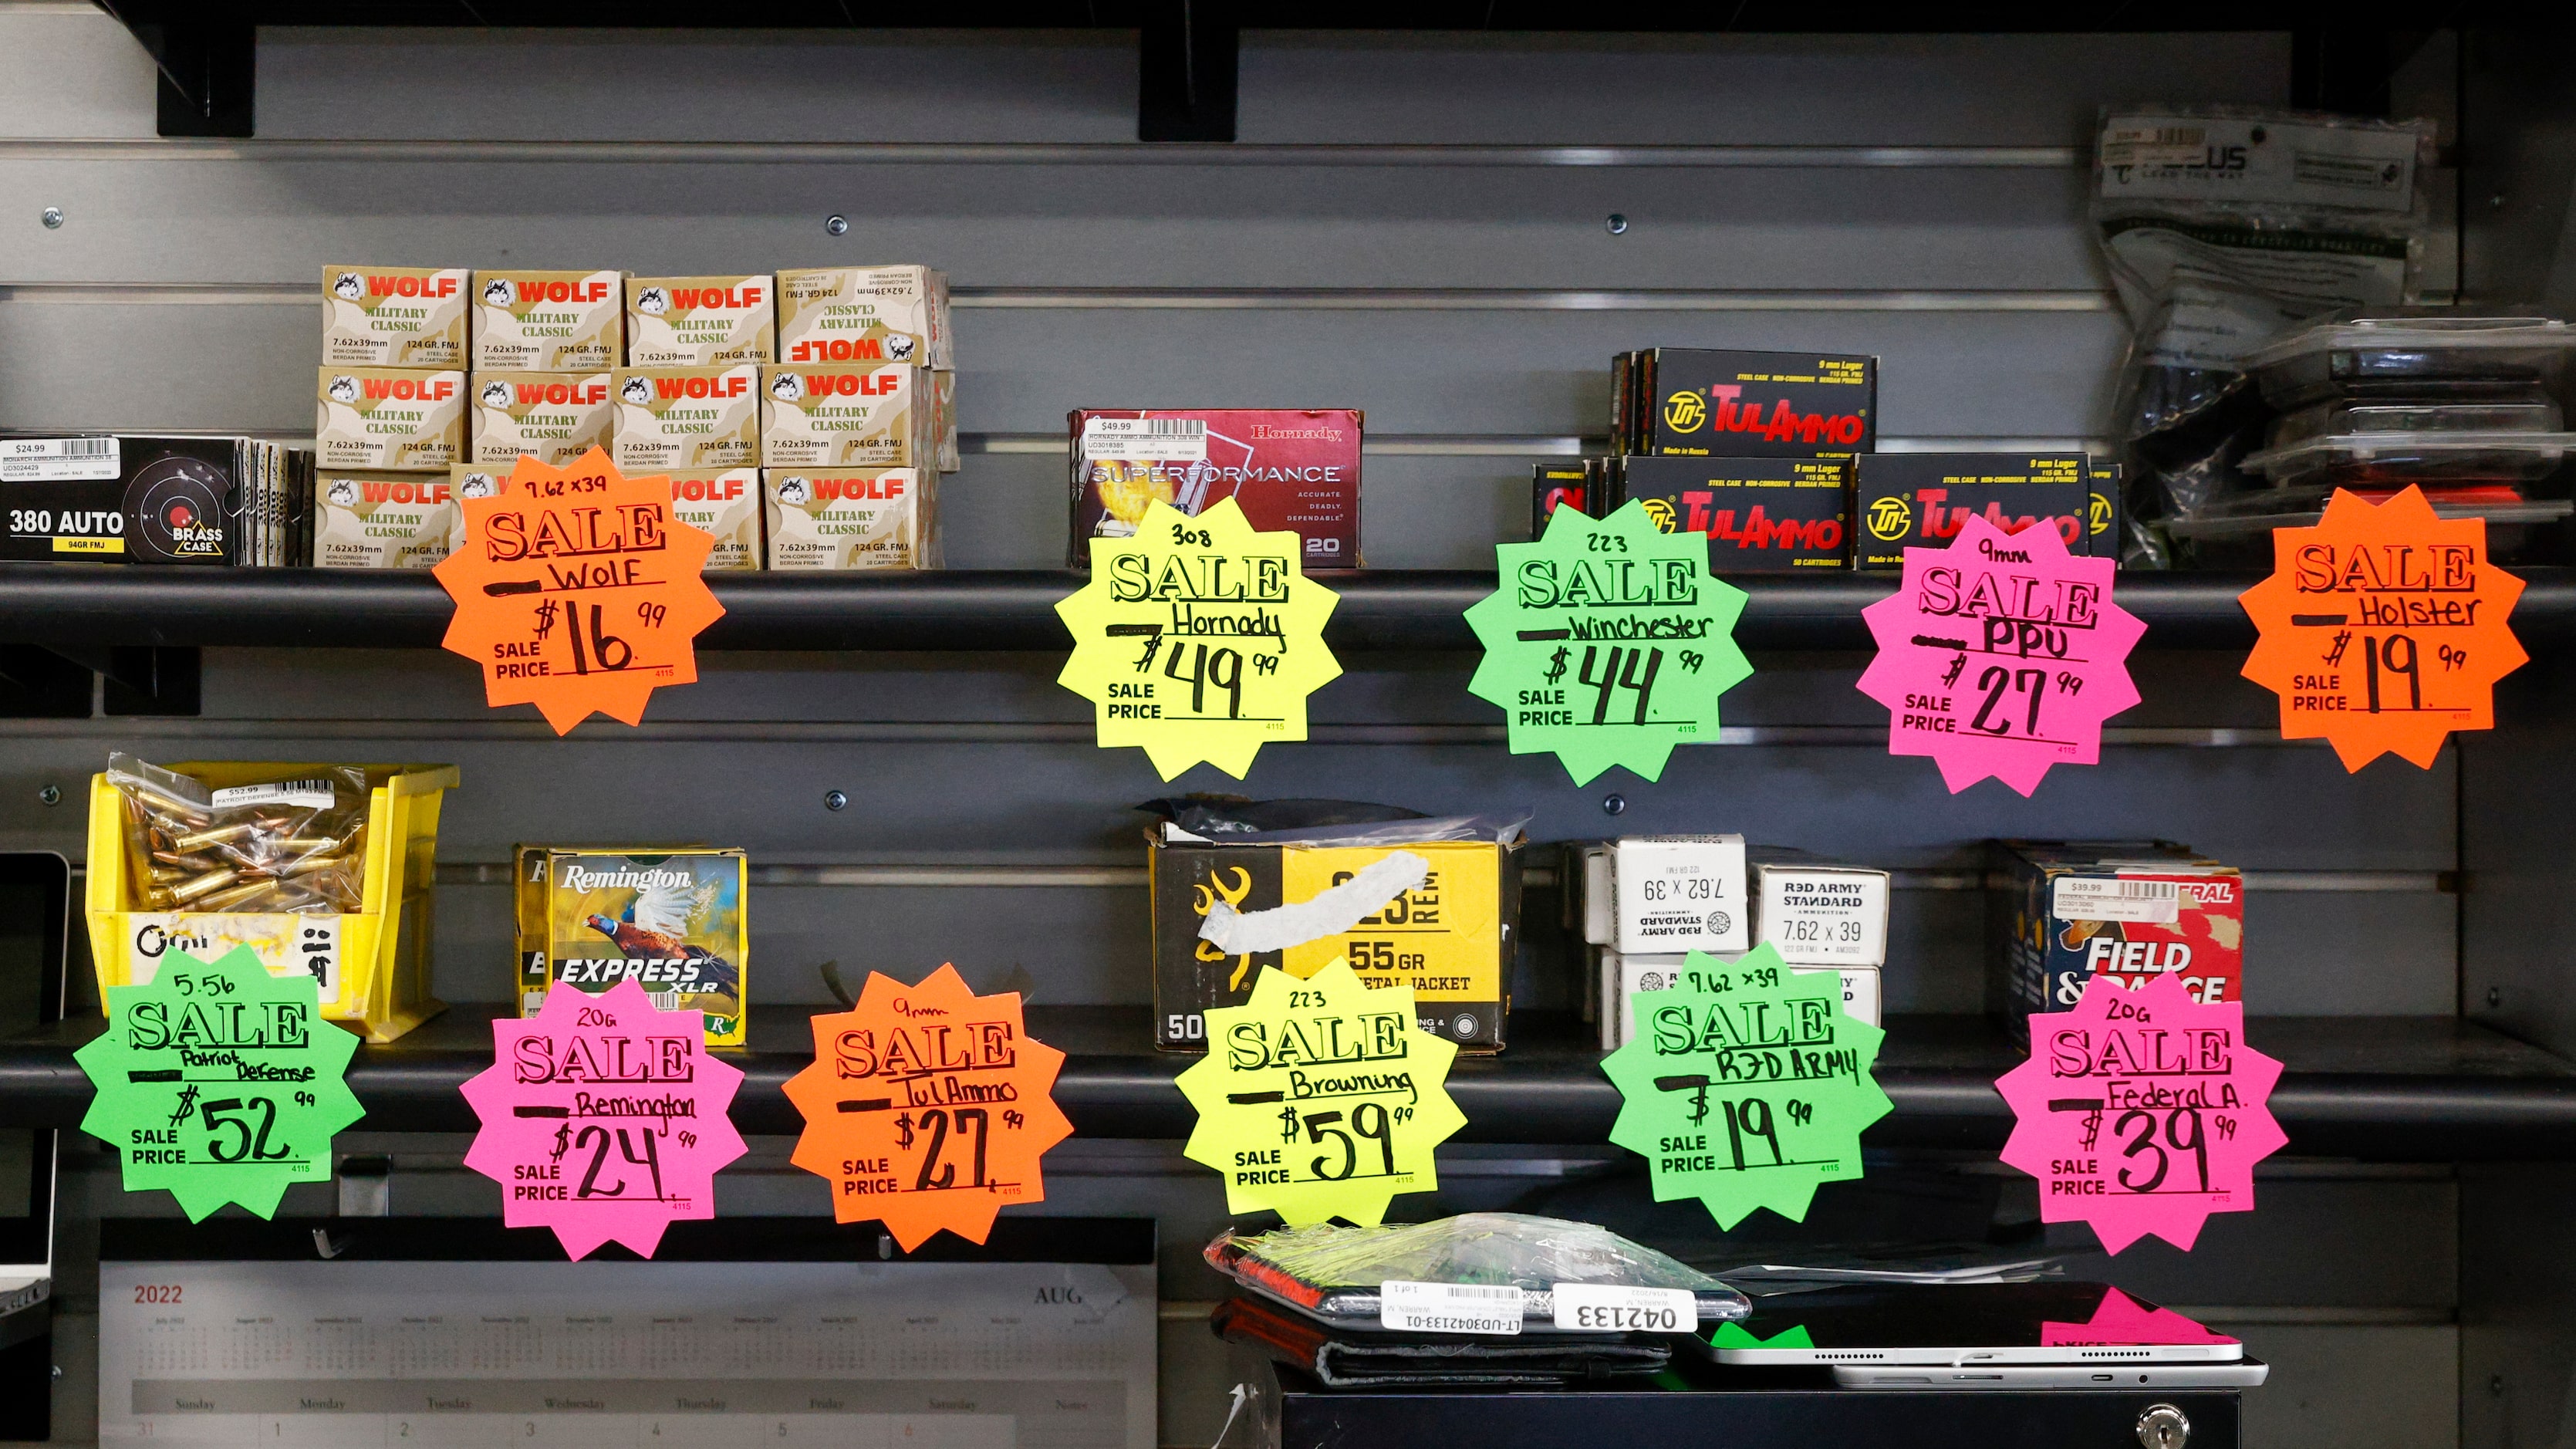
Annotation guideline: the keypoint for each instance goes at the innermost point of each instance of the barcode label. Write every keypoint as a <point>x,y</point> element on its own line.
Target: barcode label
<point>2105,898</point>
<point>1410,1307</point>
<point>663,1000</point>
<point>299,794</point>
<point>1148,440</point>
<point>59,460</point>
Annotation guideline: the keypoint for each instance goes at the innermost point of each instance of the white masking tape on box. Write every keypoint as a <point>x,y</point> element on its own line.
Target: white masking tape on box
<point>1240,933</point>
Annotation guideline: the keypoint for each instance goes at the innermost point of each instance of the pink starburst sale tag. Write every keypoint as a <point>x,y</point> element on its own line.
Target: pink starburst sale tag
<point>2001,655</point>
<point>2142,1112</point>
<point>603,1119</point>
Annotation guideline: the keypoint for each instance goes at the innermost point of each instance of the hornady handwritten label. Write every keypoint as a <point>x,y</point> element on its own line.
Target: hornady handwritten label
<point>1198,639</point>
<point>603,1119</point>
<point>2142,1112</point>
<point>1608,643</point>
<point>219,1082</point>
<point>577,590</point>
<point>2383,628</point>
<point>928,1107</point>
<point>2001,655</point>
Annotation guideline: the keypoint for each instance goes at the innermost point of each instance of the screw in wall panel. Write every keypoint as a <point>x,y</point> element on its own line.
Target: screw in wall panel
<point>1614,804</point>
<point>2495,996</point>
<point>53,217</point>
<point>1618,224</point>
<point>835,800</point>
<point>837,225</point>
<point>51,795</point>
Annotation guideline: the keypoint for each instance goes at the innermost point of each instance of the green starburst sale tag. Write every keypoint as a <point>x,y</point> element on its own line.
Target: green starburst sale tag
<point>1608,643</point>
<point>1746,1085</point>
<point>220,1082</point>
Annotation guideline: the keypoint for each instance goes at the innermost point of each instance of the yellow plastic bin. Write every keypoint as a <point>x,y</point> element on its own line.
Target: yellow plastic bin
<point>373,964</point>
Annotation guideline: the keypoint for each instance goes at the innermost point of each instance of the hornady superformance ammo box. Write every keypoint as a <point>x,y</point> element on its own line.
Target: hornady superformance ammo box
<point>700,321</point>
<point>1683,400</point>
<point>553,417</point>
<point>726,504</point>
<point>385,520</point>
<point>135,498</point>
<point>865,314</point>
<point>389,420</point>
<point>693,418</point>
<point>850,518</point>
<point>1922,500</point>
<point>1452,939</point>
<point>394,316</point>
<point>1286,469</point>
<point>2061,912</point>
<point>847,415</point>
<point>673,921</point>
<point>549,321</point>
<point>1760,515</point>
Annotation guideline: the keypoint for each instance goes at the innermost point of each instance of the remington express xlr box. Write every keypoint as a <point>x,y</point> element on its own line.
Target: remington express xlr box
<point>1286,469</point>
<point>671,920</point>
<point>1922,500</point>
<point>2059,913</point>
<point>1760,515</point>
<point>1697,403</point>
<point>1452,938</point>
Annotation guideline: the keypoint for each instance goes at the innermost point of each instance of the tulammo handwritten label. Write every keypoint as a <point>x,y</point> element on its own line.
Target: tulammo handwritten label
<point>1408,1307</point>
<point>1612,1308</point>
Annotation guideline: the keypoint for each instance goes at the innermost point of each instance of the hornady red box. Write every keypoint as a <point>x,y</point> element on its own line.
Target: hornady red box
<point>1286,469</point>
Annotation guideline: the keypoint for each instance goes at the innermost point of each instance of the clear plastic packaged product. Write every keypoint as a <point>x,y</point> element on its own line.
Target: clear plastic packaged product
<point>1334,1274</point>
<point>2394,457</point>
<point>289,845</point>
<point>2421,355</point>
<point>2238,533</point>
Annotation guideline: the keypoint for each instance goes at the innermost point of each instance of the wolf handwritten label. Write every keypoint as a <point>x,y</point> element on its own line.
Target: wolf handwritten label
<point>928,1107</point>
<point>577,590</point>
<point>2383,628</point>
<point>603,1119</point>
<point>219,1082</point>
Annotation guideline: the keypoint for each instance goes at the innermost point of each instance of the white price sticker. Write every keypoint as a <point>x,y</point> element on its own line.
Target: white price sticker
<point>1609,1308</point>
<point>2100,898</point>
<point>1409,1307</point>
<point>1145,440</point>
<point>297,794</point>
<point>59,460</point>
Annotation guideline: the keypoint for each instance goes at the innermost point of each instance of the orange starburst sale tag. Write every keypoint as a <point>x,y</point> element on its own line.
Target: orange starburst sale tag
<point>2383,628</point>
<point>928,1107</point>
<point>577,590</point>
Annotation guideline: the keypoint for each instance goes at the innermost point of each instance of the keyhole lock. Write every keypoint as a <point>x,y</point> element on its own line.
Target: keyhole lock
<point>2163,1426</point>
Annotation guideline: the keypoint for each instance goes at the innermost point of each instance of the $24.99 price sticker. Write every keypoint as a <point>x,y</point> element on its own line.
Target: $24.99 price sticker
<point>1321,1098</point>
<point>577,590</point>
<point>2383,628</point>
<point>1198,639</point>
<point>603,1118</point>
<point>220,1082</point>
<point>2001,655</point>
<point>1746,1084</point>
<point>2142,1111</point>
<point>1608,643</point>
<point>928,1107</point>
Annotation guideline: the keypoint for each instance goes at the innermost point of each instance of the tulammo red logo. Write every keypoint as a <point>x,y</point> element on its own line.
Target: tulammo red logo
<point>407,389</point>
<point>701,387</point>
<point>562,394</point>
<point>430,287</point>
<point>1784,424</point>
<point>706,490</point>
<point>730,298</point>
<point>838,349</point>
<point>850,384</point>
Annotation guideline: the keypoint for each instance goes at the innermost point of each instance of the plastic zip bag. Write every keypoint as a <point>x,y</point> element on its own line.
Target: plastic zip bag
<point>296,845</point>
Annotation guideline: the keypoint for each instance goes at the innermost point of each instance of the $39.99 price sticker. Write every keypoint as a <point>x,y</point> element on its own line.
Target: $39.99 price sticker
<point>220,1082</point>
<point>928,1107</point>
<point>1321,1098</point>
<point>2383,628</point>
<point>1608,643</point>
<point>1745,1085</point>
<point>1198,639</point>
<point>577,590</point>
<point>2001,655</point>
<point>2142,1111</point>
<point>603,1118</point>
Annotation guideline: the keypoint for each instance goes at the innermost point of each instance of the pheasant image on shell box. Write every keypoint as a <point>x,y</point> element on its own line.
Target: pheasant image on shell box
<point>671,919</point>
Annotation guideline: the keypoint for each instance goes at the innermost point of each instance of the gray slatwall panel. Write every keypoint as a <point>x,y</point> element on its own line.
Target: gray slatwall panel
<point>66,69</point>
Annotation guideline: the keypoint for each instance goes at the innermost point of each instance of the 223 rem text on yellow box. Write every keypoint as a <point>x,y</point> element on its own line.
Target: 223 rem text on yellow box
<point>672,921</point>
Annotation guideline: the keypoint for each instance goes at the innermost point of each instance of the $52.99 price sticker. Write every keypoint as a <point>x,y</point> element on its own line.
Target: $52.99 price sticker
<point>1746,1084</point>
<point>1198,639</point>
<point>1321,1098</point>
<point>220,1082</point>
<point>2383,628</point>
<point>1608,643</point>
<point>577,590</point>
<point>2142,1111</point>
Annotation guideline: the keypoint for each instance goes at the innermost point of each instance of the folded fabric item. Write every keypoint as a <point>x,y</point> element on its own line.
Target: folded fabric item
<point>1349,1359</point>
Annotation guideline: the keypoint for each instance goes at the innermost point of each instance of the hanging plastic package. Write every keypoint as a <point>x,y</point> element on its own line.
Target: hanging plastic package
<point>2223,227</point>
